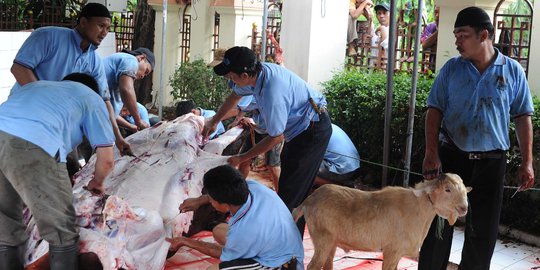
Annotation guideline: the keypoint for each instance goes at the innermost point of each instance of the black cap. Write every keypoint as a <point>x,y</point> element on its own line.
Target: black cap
<point>472,16</point>
<point>95,10</point>
<point>382,6</point>
<point>144,51</point>
<point>238,60</point>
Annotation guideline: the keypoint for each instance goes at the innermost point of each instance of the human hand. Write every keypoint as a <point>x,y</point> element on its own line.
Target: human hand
<point>95,187</point>
<point>247,122</point>
<point>525,177</point>
<point>431,167</point>
<point>141,125</point>
<point>209,127</point>
<point>176,243</point>
<point>190,204</point>
<point>124,147</point>
<point>235,160</point>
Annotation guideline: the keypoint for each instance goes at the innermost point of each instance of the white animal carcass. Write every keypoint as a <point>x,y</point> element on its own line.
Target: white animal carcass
<point>127,227</point>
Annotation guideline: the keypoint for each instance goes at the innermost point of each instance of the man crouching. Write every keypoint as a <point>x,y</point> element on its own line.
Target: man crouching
<point>260,233</point>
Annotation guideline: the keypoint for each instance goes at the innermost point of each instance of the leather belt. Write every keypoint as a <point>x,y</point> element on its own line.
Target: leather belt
<point>494,154</point>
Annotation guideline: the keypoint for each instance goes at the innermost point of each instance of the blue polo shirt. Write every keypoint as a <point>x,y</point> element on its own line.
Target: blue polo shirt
<point>341,156</point>
<point>283,100</point>
<point>117,65</point>
<point>476,107</point>
<point>220,129</point>
<point>54,52</point>
<point>34,114</point>
<point>143,112</point>
<point>263,230</point>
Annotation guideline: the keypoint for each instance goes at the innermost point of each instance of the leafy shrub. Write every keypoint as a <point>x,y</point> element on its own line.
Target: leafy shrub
<point>195,81</point>
<point>357,104</point>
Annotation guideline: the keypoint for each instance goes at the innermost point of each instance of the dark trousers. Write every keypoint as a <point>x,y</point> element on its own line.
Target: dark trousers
<point>485,176</point>
<point>300,161</point>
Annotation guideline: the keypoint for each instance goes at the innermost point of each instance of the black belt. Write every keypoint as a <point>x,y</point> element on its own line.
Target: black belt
<point>494,154</point>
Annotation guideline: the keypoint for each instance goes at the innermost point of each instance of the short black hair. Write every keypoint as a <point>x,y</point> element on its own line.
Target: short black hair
<point>487,26</point>
<point>184,107</point>
<point>226,184</point>
<point>94,10</point>
<point>84,79</point>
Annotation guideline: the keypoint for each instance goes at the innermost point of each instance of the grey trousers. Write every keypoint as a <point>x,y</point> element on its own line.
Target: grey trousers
<point>29,175</point>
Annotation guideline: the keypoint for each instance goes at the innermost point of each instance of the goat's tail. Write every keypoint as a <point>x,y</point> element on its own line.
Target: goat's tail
<point>297,213</point>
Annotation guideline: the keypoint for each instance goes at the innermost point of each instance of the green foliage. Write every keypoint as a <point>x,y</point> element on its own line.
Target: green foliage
<point>195,81</point>
<point>357,104</point>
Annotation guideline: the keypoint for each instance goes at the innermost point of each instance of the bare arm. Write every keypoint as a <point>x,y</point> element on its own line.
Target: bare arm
<point>210,249</point>
<point>524,133</point>
<point>22,74</point>
<point>355,13</point>
<point>121,122</point>
<point>127,92</point>
<point>229,104</point>
<point>192,204</point>
<point>121,144</point>
<point>430,41</point>
<point>262,147</point>
<point>432,163</point>
<point>104,165</point>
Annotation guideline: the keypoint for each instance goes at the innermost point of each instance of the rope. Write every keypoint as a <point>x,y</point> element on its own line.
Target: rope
<point>406,171</point>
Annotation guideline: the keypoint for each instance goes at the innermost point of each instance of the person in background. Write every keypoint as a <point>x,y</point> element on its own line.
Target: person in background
<point>188,106</point>
<point>356,8</point>
<point>470,106</point>
<point>429,34</point>
<point>379,43</point>
<point>277,56</point>
<point>341,162</point>
<point>122,69</point>
<point>125,119</point>
<point>36,134</point>
<point>260,234</point>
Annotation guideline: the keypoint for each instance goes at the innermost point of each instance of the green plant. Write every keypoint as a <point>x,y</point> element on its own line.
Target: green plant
<point>195,81</point>
<point>357,103</point>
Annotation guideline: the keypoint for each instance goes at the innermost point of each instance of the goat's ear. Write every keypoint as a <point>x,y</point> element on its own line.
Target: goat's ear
<point>452,219</point>
<point>469,189</point>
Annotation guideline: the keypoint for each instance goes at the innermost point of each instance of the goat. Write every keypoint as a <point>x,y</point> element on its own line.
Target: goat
<point>395,220</point>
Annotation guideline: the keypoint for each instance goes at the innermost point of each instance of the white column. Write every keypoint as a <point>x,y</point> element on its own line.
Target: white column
<point>171,49</point>
<point>202,29</point>
<point>534,52</point>
<point>236,24</point>
<point>313,38</point>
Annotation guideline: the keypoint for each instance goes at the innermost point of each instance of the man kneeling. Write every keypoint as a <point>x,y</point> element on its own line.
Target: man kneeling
<point>260,233</point>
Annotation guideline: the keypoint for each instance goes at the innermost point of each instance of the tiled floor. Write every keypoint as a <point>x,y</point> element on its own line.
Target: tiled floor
<point>508,255</point>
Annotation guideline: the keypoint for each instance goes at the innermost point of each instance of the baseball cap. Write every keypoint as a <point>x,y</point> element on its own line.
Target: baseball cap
<point>94,10</point>
<point>236,59</point>
<point>146,52</point>
<point>382,6</point>
<point>472,16</point>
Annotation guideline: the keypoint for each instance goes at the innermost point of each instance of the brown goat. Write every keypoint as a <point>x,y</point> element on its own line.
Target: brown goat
<point>395,220</point>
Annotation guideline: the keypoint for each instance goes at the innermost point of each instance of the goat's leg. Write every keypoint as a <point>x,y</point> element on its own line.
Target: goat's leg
<point>391,260</point>
<point>329,264</point>
<point>324,247</point>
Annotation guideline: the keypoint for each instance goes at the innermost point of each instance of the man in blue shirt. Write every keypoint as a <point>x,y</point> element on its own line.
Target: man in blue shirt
<point>121,70</point>
<point>470,106</point>
<point>50,53</point>
<point>260,234</point>
<point>188,106</point>
<point>36,134</point>
<point>341,161</point>
<point>292,111</point>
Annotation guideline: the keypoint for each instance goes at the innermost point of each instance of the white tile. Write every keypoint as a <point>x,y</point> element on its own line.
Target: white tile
<point>503,259</point>
<point>495,266</point>
<point>515,251</point>
<point>18,39</point>
<point>6,58</point>
<point>455,256</point>
<point>522,265</point>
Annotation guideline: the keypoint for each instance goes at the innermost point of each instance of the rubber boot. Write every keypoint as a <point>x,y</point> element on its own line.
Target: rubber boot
<point>10,257</point>
<point>64,257</point>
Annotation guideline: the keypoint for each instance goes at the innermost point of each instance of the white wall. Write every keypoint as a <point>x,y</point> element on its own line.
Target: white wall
<point>202,28</point>
<point>313,38</point>
<point>12,41</point>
